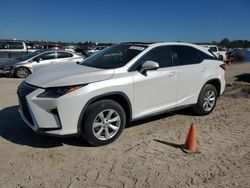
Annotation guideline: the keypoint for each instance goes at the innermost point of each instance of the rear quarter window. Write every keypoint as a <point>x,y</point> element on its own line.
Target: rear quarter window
<point>187,55</point>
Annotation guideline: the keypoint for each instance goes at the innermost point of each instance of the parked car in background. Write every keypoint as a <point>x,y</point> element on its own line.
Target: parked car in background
<point>83,51</point>
<point>31,47</point>
<point>239,55</point>
<point>120,84</point>
<point>219,53</point>
<point>10,49</point>
<point>23,66</point>
<point>53,46</point>
<point>70,48</point>
<point>96,49</point>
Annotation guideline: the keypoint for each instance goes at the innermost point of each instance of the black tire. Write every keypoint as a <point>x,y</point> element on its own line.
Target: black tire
<point>221,57</point>
<point>199,108</point>
<point>9,75</point>
<point>22,72</point>
<point>92,114</point>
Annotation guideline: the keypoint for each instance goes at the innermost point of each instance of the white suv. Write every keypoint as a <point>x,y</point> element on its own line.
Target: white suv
<point>127,81</point>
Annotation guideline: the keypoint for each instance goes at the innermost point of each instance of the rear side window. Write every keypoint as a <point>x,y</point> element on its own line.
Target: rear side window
<point>64,55</point>
<point>15,45</point>
<point>46,56</point>
<point>186,55</point>
<point>162,55</point>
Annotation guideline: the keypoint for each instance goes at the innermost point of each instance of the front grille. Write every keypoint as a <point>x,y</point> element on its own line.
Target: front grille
<point>23,90</point>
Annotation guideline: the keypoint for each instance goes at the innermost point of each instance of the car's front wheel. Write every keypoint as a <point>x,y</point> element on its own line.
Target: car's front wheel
<point>103,122</point>
<point>207,100</point>
<point>22,72</point>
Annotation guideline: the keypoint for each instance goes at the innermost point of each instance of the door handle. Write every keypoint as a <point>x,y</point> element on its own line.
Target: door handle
<point>172,74</point>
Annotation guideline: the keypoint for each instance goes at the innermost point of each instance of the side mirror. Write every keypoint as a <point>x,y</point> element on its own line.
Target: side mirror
<point>148,65</point>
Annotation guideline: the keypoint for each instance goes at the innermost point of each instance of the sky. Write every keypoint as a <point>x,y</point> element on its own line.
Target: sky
<point>125,20</point>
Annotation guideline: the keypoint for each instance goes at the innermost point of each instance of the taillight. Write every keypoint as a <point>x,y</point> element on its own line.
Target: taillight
<point>223,66</point>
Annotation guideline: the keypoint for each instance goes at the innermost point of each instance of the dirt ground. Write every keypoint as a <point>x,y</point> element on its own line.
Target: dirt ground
<point>146,154</point>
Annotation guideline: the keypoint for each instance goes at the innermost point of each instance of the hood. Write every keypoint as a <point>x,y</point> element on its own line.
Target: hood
<point>67,74</point>
<point>10,62</point>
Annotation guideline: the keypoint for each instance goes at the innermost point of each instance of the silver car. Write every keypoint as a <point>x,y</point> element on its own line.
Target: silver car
<point>27,64</point>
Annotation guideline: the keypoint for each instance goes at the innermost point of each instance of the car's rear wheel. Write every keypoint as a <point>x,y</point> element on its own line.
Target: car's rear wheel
<point>103,122</point>
<point>22,72</point>
<point>207,100</point>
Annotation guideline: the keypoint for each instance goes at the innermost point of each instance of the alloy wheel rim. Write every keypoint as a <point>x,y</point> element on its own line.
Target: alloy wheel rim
<point>22,72</point>
<point>209,100</point>
<point>106,124</point>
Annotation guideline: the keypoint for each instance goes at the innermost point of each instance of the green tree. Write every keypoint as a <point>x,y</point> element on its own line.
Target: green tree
<point>225,42</point>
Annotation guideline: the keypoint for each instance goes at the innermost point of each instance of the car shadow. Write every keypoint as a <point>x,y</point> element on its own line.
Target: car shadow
<point>13,129</point>
<point>243,77</point>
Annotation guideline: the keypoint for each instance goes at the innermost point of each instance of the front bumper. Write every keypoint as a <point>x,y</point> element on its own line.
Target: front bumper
<point>6,71</point>
<point>50,116</point>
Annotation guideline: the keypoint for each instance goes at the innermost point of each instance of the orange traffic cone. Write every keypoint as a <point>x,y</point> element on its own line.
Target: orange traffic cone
<point>190,144</point>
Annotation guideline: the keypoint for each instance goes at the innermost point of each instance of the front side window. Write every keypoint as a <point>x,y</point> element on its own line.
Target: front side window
<point>64,55</point>
<point>114,57</point>
<point>186,55</point>
<point>46,56</point>
<point>162,55</point>
<point>15,45</point>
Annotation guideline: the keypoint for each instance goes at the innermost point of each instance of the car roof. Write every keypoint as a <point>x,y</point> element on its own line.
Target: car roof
<point>159,43</point>
<point>53,50</point>
<point>155,44</point>
<point>139,43</point>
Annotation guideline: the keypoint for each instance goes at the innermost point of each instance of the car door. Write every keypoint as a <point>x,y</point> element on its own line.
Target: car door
<point>43,60</point>
<point>191,70</point>
<point>156,90</point>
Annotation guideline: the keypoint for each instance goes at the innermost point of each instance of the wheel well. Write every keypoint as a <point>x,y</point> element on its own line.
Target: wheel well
<point>120,99</point>
<point>216,84</point>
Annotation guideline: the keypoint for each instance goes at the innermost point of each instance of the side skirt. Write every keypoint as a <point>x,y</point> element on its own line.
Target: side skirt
<point>163,112</point>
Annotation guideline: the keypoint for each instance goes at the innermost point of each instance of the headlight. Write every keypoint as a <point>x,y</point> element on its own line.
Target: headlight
<point>58,91</point>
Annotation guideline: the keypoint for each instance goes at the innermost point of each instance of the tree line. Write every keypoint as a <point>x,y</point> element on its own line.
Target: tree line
<point>224,43</point>
<point>231,44</point>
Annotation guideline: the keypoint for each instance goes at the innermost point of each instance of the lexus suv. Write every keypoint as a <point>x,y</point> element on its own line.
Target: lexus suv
<point>97,97</point>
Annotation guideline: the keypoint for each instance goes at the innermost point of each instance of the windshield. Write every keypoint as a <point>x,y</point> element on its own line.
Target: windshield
<point>114,57</point>
<point>30,55</point>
